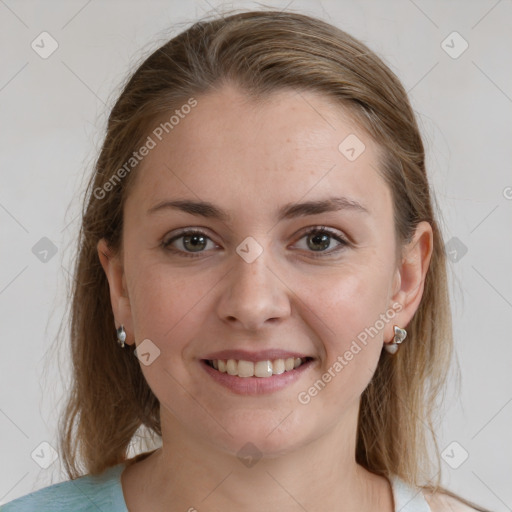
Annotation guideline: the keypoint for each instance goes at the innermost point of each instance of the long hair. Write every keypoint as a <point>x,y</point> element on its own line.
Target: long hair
<point>261,52</point>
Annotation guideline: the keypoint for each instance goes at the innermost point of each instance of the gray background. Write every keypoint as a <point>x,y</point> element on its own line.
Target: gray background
<point>53,114</point>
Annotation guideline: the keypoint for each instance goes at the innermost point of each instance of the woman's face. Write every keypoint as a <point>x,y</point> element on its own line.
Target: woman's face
<point>254,285</point>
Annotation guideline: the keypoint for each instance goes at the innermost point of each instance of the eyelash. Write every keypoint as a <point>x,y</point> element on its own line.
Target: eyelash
<point>166,244</point>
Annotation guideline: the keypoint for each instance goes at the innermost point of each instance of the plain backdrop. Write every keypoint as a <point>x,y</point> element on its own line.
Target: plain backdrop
<point>454,60</point>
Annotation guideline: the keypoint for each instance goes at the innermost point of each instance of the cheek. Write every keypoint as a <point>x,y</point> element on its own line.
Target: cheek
<point>163,303</point>
<point>349,300</point>
<point>167,309</point>
<point>349,313</point>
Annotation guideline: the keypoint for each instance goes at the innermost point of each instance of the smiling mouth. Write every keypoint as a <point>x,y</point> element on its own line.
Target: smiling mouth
<point>262,369</point>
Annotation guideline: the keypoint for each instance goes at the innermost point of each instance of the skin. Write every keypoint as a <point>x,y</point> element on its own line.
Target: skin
<point>250,159</point>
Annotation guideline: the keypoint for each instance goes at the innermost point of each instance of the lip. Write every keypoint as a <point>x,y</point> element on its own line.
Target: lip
<point>261,355</point>
<point>255,385</point>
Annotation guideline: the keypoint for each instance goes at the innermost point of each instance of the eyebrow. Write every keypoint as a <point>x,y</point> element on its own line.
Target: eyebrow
<point>288,211</point>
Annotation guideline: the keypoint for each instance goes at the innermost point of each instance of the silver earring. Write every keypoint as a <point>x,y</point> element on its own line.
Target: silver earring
<point>121,336</point>
<point>400,335</point>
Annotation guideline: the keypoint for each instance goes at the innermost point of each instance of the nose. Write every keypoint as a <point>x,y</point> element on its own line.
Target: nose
<point>254,294</point>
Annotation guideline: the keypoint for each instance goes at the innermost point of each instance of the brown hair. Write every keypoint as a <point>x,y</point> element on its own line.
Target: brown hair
<point>260,52</point>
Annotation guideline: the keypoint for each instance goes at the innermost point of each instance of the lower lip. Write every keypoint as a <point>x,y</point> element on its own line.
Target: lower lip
<point>256,385</point>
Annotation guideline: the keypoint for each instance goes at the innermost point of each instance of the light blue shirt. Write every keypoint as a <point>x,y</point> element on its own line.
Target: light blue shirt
<point>104,493</point>
<point>100,493</point>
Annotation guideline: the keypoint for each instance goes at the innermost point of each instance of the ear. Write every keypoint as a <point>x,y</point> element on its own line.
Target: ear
<point>409,280</point>
<point>118,291</point>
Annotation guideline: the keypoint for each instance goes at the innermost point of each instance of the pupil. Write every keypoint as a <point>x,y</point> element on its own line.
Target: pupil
<point>319,238</point>
<point>195,243</point>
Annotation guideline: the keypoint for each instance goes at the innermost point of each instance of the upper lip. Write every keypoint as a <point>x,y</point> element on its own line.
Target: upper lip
<point>262,355</point>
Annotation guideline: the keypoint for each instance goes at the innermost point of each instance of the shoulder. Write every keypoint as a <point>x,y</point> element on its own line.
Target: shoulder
<point>84,494</point>
<point>58,496</point>
<point>442,502</point>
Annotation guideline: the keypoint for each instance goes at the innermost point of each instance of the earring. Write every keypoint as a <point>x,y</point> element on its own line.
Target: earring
<point>121,336</point>
<point>400,335</point>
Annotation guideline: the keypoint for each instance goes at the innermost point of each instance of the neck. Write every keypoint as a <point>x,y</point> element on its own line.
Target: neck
<point>187,473</point>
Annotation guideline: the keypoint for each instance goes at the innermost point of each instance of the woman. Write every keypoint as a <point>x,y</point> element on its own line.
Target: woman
<point>259,234</point>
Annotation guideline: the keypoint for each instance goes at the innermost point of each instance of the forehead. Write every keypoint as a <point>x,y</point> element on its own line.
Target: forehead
<point>293,145</point>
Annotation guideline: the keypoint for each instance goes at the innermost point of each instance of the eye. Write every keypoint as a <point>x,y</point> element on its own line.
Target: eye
<point>192,240</point>
<point>196,241</point>
<point>319,238</point>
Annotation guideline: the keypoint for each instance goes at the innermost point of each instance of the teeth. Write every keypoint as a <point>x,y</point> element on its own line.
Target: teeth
<point>263,369</point>
<point>232,367</point>
<point>245,368</point>
<point>278,366</point>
